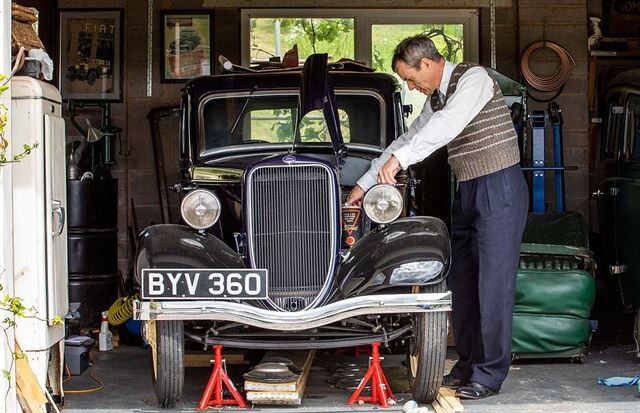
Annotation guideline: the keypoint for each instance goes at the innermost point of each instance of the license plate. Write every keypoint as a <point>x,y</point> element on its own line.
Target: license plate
<point>204,284</point>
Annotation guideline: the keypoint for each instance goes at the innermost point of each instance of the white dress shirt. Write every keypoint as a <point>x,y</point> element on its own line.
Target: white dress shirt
<point>431,131</point>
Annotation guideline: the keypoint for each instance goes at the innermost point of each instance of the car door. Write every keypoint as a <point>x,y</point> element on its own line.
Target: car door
<point>607,178</point>
<point>627,202</point>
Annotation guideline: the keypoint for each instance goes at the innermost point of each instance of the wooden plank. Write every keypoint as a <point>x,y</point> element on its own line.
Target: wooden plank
<point>205,359</point>
<point>306,368</point>
<point>282,393</point>
<point>29,390</point>
<point>451,398</point>
<point>437,407</point>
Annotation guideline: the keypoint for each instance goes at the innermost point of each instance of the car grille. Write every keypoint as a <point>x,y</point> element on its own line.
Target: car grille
<point>292,231</point>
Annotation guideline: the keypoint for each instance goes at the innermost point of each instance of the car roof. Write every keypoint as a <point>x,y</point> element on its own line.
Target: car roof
<point>197,87</point>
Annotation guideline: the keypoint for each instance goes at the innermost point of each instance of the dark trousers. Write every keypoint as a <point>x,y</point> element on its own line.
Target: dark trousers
<point>488,218</point>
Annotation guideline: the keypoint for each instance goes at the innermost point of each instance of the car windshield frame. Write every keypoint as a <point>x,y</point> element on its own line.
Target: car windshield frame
<point>202,153</point>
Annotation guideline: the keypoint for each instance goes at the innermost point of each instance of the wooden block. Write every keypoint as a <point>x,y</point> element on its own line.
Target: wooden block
<point>271,387</point>
<point>437,407</point>
<point>205,359</point>
<point>282,393</point>
<point>448,400</point>
<point>29,390</point>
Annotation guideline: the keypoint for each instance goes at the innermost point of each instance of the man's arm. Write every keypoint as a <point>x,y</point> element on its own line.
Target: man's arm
<point>370,178</point>
<point>474,91</point>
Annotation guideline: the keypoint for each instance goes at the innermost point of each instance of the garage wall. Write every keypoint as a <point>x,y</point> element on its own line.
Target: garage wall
<point>565,23</point>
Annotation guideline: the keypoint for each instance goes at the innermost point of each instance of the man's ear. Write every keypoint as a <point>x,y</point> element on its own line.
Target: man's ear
<point>425,63</point>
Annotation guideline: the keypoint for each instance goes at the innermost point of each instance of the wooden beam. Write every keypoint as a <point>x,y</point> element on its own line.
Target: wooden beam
<point>31,396</point>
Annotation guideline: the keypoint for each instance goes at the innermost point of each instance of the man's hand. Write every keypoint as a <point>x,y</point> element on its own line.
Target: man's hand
<point>387,174</point>
<point>355,196</point>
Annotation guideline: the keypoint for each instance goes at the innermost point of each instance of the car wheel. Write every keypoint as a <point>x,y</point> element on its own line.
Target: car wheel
<point>91,77</point>
<point>426,351</point>
<point>166,339</point>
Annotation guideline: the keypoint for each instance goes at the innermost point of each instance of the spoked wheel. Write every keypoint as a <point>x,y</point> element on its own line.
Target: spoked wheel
<point>426,351</point>
<point>166,339</point>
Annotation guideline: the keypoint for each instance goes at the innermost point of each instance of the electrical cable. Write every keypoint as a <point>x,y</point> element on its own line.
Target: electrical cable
<point>555,82</point>
<point>93,377</point>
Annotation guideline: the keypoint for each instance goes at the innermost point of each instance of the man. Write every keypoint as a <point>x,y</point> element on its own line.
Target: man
<point>466,111</point>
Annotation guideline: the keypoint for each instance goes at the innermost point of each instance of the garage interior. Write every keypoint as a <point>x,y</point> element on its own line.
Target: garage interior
<point>129,139</point>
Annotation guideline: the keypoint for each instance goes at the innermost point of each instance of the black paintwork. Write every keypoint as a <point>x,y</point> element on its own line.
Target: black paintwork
<point>366,267</point>
<point>371,260</point>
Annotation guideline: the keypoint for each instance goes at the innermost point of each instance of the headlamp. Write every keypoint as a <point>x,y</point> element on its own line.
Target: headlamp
<point>383,204</point>
<point>200,209</point>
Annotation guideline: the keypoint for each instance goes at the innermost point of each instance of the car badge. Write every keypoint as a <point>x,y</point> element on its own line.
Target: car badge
<point>289,159</point>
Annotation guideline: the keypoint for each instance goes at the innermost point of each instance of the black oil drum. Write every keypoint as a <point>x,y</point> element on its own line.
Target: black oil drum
<point>95,293</point>
<point>93,251</point>
<point>92,203</point>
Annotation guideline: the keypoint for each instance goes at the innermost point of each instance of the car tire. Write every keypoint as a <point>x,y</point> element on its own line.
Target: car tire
<point>167,360</point>
<point>426,351</point>
<point>92,76</point>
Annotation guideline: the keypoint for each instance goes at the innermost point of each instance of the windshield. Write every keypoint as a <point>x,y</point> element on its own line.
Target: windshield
<point>270,118</point>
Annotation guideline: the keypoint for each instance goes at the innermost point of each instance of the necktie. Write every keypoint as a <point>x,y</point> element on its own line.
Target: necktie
<point>437,100</point>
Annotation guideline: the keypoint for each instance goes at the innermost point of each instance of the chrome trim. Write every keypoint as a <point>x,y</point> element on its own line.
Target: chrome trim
<point>281,92</point>
<point>293,321</point>
<point>331,187</point>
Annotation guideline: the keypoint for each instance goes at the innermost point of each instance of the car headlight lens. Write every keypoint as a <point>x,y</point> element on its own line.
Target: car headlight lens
<point>383,204</point>
<point>416,272</point>
<point>200,209</point>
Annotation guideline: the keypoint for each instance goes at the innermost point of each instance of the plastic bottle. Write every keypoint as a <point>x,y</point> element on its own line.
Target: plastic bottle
<point>105,338</point>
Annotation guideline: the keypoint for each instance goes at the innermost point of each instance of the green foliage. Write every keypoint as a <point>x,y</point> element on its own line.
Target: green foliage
<point>334,36</point>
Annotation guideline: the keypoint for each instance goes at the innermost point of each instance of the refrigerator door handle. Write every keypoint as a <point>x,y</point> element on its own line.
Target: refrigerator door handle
<point>57,208</point>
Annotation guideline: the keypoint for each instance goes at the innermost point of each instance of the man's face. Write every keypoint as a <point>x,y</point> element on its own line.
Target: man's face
<point>425,80</point>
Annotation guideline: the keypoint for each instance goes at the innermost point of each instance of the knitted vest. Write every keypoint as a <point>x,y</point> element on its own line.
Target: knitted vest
<point>489,142</point>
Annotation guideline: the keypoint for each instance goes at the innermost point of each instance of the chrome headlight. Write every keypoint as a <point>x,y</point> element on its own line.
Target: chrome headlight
<point>383,204</point>
<point>200,209</point>
<point>416,272</point>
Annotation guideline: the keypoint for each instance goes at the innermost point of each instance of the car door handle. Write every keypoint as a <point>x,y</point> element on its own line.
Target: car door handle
<point>57,208</point>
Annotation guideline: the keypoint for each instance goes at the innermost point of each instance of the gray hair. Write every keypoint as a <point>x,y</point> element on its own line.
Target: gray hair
<point>413,49</point>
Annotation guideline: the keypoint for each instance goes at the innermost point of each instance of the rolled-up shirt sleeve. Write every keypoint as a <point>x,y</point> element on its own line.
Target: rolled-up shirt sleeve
<point>370,178</point>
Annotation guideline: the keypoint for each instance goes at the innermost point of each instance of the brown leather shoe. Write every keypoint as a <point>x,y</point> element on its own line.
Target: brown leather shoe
<point>474,391</point>
<point>452,382</point>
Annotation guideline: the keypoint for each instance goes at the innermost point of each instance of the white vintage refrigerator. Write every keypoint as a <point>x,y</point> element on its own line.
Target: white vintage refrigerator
<point>39,214</point>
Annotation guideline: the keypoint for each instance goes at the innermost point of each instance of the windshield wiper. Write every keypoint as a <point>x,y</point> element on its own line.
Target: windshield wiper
<point>244,107</point>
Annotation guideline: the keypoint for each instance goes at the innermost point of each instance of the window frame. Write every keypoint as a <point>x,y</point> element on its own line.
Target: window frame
<point>629,129</point>
<point>204,152</point>
<point>364,19</point>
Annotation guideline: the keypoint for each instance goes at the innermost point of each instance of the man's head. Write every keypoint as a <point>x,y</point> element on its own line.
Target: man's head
<point>417,61</point>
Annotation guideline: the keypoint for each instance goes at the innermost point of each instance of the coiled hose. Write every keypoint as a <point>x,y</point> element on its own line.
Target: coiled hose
<point>547,83</point>
<point>121,310</point>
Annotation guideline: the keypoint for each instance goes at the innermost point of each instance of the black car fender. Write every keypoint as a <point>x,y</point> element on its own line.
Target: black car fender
<point>368,265</point>
<point>179,246</point>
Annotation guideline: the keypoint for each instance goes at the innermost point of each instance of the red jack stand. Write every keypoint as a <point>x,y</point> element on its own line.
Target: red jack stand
<point>214,386</point>
<point>380,389</point>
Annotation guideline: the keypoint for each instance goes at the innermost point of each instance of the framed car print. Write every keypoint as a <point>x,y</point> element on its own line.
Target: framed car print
<point>187,43</point>
<point>91,54</point>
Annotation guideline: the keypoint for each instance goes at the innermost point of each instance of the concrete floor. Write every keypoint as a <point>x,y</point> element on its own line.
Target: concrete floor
<point>540,386</point>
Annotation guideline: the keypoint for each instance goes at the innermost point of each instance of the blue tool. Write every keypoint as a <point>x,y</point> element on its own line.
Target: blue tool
<point>538,123</point>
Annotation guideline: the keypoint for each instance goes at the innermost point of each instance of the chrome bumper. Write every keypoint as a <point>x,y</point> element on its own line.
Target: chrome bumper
<point>293,321</point>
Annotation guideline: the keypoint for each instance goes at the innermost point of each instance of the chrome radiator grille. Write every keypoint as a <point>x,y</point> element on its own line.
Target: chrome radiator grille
<point>292,230</point>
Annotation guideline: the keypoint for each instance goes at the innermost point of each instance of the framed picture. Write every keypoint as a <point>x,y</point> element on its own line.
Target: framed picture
<point>91,54</point>
<point>187,40</point>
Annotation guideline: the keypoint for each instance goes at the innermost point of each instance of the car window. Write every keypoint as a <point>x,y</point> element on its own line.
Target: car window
<point>270,118</point>
<point>614,127</point>
<point>276,126</point>
<point>632,129</point>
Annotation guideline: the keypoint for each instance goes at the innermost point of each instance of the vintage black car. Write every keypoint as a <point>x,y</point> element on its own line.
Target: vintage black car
<point>617,176</point>
<point>269,257</point>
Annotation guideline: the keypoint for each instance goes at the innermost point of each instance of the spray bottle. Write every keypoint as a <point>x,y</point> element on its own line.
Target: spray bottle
<point>105,338</point>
